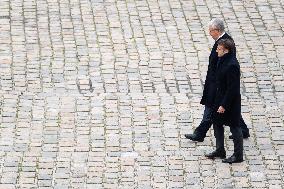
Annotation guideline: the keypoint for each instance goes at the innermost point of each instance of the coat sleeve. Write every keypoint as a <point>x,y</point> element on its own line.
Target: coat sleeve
<point>233,86</point>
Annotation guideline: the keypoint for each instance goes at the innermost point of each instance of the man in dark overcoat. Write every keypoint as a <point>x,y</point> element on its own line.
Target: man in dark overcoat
<point>227,102</point>
<point>217,32</point>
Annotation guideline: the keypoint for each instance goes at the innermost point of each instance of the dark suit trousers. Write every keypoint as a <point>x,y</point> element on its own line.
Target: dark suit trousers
<point>237,139</point>
<point>206,123</point>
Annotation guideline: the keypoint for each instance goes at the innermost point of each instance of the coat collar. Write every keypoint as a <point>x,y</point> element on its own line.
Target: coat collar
<point>223,59</point>
<point>221,36</point>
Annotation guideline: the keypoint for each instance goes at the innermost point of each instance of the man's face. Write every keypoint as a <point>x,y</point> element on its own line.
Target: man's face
<point>214,33</point>
<point>221,50</point>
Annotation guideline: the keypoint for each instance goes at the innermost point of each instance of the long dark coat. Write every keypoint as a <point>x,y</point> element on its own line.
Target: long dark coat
<point>228,91</point>
<point>209,90</point>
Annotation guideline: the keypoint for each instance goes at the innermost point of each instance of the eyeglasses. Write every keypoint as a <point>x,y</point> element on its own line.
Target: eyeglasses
<point>220,48</point>
<point>212,30</point>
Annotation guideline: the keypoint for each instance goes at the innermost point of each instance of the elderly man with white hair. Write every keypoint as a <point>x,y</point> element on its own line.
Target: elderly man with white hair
<point>217,32</point>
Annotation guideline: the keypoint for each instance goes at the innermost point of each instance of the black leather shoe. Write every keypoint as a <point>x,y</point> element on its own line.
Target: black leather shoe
<point>244,136</point>
<point>215,154</point>
<point>232,159</point>
<point>194,137</point>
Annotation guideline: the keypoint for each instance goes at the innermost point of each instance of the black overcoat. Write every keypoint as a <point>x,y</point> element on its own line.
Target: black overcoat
<point>227,91</point>
<point>209,90</point>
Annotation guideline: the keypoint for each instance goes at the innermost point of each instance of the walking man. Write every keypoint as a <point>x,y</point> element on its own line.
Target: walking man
<point>217,32</point>
<point>227,102</point>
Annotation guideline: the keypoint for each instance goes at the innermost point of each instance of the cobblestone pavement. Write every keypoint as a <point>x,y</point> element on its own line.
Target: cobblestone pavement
<point>99,93</point>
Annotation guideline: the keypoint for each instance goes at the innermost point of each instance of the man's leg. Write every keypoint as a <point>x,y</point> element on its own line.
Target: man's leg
<point>220,150</point>
<point>219,135</point>
<point>238,145</point>
<point>238,140</point>
<point>205,124</point>
<point>200,132</point>
<point>244,129</point>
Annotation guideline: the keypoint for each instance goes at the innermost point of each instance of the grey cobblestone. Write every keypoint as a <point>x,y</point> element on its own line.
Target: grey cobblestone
<point>98,94</point>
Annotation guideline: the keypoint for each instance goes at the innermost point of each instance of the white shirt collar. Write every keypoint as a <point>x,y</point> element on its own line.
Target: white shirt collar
<point>221,36</point>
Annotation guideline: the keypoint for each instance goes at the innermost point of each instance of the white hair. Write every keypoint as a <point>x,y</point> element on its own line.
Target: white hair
<point>217,24</point>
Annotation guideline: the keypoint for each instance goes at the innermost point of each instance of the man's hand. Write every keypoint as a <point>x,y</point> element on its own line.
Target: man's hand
<point>221,110</point>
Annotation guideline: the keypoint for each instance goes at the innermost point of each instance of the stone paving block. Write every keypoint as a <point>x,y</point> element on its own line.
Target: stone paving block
<point>7,186</point>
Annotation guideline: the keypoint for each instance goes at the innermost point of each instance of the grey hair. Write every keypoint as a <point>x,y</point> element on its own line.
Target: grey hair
<point>218,24</point>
